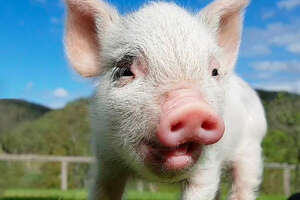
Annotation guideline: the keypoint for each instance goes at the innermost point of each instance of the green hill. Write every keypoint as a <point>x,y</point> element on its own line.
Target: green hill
<point>13,112</point>
<point>269,96</point>
<point>58,132</point>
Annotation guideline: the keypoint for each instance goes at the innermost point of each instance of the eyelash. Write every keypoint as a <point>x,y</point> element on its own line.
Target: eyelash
<point>120,72</point>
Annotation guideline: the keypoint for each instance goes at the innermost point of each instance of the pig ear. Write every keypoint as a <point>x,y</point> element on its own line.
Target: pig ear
<point>87,20</point>
<point>225,18</point>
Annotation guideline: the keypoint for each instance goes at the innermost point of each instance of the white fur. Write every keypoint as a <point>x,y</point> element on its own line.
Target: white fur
<point>177,47</point>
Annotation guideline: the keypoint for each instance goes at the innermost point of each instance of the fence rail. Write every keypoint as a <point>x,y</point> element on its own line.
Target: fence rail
<point>65,160</point>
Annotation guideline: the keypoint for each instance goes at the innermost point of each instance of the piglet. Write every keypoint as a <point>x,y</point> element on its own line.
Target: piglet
<point>169,106</point>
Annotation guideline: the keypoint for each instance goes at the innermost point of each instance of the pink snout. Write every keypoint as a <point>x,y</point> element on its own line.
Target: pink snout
<point>187,118</point>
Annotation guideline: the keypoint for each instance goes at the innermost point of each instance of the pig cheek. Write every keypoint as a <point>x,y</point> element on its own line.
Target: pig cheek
<point>134,113</point>
<point>214,96</point>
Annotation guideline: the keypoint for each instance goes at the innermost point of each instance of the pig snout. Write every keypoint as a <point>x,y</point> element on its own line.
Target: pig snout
<point>187,118</point>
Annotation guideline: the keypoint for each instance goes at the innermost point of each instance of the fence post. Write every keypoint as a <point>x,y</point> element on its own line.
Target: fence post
<point>64,175</point>
<point>152,187</point>
<point>140,185</point>
<point>287,180</point>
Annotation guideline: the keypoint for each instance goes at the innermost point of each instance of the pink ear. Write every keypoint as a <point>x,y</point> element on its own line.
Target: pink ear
<point>225,17</point>
<point>87,20</point>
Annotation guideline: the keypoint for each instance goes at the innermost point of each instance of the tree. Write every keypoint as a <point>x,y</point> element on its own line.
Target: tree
<point>284,115</point>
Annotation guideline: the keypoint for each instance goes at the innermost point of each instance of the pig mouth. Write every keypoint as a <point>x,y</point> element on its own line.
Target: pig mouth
<point>171,158</point>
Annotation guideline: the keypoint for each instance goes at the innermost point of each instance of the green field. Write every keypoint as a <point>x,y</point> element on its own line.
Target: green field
<point>81,194</point>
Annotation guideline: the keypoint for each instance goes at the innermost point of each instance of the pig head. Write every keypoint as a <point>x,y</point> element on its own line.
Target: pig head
<point>168,99</point>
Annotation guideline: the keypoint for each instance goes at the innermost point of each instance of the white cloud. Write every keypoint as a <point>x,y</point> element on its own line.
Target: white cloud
<point>294,48</point>
<point>259,41</point>
<point>57,104</point>
<point>263,75</point>
<point>283,34</point>
<point>267,14</point>
<point>292,66</point>
<point>290,86</point>
<point>288,4</point>
<point>60,93</point>
<point>256,50</point>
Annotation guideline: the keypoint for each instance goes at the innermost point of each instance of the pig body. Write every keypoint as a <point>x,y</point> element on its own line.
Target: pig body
<point>239,149</point>
<point>169,107</point>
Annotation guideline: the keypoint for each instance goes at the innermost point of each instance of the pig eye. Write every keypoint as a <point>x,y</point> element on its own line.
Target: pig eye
<point>214,65</point>
<point>122,72</point>
<point>215,72</point>
<point>122,68</point>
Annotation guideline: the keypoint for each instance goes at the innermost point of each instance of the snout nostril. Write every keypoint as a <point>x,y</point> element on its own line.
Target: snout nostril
<point>177,126</point>
<point>207,125</point>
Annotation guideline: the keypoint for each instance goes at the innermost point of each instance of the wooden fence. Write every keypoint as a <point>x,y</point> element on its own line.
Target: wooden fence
<point>66,160</point>
<point>286,175</point>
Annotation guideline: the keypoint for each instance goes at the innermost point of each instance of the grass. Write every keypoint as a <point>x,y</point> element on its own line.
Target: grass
<point>44,194</point>
<point>81,195</point>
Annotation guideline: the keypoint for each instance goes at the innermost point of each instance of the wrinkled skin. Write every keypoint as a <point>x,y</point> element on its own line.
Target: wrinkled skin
<point>168,107</point>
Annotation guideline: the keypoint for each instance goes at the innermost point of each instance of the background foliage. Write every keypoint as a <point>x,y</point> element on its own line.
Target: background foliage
<point>27,128</point>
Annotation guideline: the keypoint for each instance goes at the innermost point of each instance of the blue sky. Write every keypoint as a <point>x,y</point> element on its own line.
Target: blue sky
<point>33,64</point>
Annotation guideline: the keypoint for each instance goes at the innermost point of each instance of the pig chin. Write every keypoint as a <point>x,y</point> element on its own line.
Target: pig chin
<point>170,159</point>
